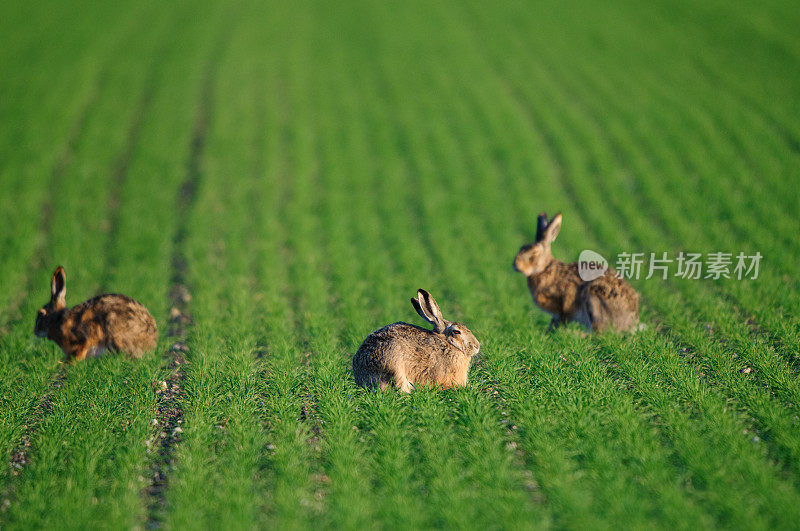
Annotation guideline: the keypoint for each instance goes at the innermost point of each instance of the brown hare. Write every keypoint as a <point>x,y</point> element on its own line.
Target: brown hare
<point>106,322</point>
<point>607,302</point>
<point>409,355</point>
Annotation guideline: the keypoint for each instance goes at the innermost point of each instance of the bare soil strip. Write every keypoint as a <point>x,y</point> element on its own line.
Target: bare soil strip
<point>169,415</point>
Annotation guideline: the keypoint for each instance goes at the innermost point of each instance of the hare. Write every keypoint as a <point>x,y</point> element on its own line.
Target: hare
<point>106,322</point>
<point>607,302</point>
<point>410,355</point>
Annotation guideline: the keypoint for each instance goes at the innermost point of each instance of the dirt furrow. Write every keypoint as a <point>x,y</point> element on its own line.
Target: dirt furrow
<point>169,410</point>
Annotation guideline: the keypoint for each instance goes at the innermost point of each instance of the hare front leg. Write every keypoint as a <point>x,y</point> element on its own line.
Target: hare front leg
<point>555,322</point>
<point>403,383</point>
<point>78,353</point>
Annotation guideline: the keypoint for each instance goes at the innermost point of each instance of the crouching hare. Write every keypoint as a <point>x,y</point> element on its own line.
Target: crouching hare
<point>607,302</point>
<point>409,355</point>
<point>106,322</point>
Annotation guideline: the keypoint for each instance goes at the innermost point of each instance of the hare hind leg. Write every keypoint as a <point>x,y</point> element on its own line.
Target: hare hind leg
<point>605,314</point>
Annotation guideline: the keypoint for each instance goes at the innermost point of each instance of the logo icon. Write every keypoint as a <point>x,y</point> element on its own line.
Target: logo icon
<point>591,265</point>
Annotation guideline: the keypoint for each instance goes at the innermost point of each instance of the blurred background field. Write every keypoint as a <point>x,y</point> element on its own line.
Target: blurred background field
<point>302,168</point>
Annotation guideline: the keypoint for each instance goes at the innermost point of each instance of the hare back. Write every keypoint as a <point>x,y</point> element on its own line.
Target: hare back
<point>113,321</point>
<point>402,351</point>
<point>610,302</point>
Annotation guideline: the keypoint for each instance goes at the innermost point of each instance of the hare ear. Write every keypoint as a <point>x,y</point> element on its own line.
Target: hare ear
<point>541,225</point>
<point>58,288</point>
<point>432,312</point>
<point>416,304</point>
<point>550,233</point>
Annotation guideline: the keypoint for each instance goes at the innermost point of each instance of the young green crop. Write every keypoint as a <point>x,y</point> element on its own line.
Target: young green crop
<point>303,168</point>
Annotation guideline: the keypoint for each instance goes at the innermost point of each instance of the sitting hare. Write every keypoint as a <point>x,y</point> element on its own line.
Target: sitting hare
<point>607,302</point>
<point>106,322</point>
<point>410,355</point>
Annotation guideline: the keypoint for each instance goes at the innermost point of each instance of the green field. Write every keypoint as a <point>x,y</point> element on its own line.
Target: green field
<point>303,167</point>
